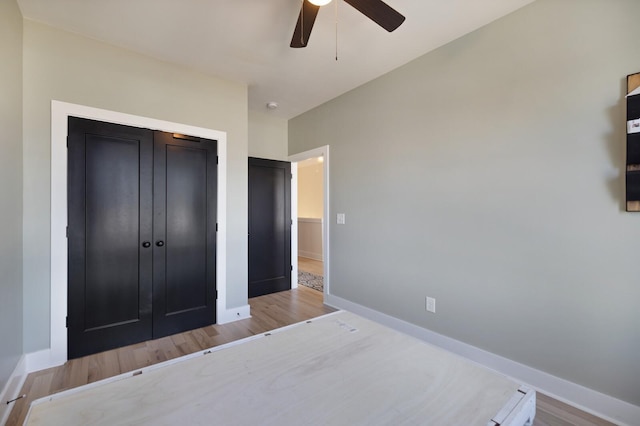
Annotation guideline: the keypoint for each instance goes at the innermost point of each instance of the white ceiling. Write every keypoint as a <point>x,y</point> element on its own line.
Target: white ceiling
<point>248,40</point>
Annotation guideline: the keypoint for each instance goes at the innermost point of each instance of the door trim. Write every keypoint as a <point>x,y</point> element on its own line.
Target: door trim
<point>322,151</point>
<point>60,111</point>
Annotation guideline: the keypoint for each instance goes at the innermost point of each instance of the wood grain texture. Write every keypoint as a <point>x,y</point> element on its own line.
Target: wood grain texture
<point>303,302</point>
<point>551,412</point>
<point>633,206</point>
<point>268,312</point>
<point>633,82</point>
<point>337,369</point>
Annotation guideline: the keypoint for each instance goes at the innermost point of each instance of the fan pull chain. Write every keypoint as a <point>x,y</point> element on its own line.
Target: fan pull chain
<point>337,29</point>
<point>302,23</point>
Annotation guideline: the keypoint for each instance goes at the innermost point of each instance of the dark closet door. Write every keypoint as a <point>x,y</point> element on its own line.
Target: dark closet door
<point>109,236</point>
<point>184,273</point>
<point>142,235</point>
<point>269,226</point>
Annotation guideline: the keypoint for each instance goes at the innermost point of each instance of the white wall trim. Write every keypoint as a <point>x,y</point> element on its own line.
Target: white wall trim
<point>588,400</point>
<point>309,220</point>
<point>60,111</point>
<point>323,151</point>
<point>41,360</point>
<point>12,389</point>
<point>310,255</point>
<point>233,314</point>
<point>294,225</point>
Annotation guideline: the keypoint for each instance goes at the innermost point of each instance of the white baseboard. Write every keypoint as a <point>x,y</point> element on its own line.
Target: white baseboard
<point>588,400</point>
<point>12,389</point>
<point>310,255</point>
<point>234,314</point>
<point>43,359</point>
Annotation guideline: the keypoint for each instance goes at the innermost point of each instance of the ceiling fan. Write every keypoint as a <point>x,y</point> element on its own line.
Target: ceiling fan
<point>376,10</point>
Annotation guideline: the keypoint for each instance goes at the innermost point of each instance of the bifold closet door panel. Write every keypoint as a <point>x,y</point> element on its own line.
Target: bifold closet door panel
<point>185,186</point>
<point>269,226</point>
<point>142,235</point>
<point>110,175</point>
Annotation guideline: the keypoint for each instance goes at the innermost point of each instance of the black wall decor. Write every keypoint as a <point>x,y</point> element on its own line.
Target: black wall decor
<point>633,144</point>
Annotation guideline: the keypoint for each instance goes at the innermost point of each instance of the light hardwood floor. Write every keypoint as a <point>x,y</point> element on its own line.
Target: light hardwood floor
<point>309,265</point>
<point>268,312</point>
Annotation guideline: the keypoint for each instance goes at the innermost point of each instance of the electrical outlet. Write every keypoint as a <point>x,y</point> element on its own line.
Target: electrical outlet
<point>431,305</point>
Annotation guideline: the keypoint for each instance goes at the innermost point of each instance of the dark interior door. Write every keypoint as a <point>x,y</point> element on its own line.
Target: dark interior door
<point>142,235</point>
<point>184,274</point>
<point>269,226</point>
<point>109,235</point>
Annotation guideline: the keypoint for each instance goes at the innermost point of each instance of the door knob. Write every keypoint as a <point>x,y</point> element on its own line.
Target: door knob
<point>146,244</point>
<point>159,243</point>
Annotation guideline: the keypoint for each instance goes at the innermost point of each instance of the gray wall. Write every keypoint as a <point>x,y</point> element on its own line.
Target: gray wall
<point>11,188</point>
<point>65,67</point>
<point>489,174</point>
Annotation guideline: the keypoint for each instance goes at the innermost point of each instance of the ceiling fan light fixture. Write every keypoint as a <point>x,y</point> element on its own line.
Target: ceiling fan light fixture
<point>376,10</point>
<point>320,2</point>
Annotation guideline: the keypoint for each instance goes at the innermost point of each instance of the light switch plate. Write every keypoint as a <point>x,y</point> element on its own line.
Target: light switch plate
<point>341,219</point>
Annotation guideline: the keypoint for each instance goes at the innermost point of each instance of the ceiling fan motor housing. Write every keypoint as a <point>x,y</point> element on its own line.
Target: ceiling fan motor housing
<point>376,10</point>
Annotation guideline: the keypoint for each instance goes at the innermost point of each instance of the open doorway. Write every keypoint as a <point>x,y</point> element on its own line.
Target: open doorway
<point>310,213</point>
<point>310,218</point>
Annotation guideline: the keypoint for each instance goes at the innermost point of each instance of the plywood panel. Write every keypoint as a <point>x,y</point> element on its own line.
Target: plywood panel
<point>633,82</point>
<point>339,369</point>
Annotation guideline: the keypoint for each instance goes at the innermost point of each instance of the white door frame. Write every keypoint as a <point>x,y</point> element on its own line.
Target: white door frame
<point>323,151</point>
<point>60,111</point>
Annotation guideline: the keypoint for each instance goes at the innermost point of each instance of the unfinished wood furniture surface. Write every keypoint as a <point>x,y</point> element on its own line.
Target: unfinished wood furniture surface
<point>336,369</point>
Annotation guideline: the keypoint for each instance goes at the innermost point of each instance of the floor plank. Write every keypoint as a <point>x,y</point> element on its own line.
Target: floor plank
<point>315,267</point>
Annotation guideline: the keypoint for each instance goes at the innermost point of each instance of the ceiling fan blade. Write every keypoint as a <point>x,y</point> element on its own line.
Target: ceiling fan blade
<point>379,12</point>
<point>307,17</point>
